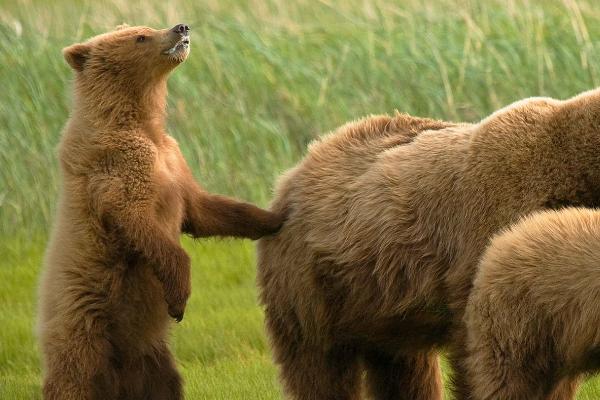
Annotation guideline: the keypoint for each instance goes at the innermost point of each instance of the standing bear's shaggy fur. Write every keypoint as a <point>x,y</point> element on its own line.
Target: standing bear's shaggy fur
<point>386,221</point>
<point>114,268</point>
<point>533,316</point>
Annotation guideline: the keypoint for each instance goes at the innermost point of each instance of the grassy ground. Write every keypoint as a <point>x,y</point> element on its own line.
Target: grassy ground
<point>263,79</point>
<point>220,345</point>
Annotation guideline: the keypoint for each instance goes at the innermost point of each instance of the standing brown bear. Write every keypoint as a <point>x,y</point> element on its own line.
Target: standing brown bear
<point>114,268</point>
<point>532,317</point>
<point>386,221</point>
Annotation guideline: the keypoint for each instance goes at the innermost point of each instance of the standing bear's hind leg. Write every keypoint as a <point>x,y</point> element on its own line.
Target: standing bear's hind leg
<point>162,379</point>
<point>80,370</point>
<point>152,377</point>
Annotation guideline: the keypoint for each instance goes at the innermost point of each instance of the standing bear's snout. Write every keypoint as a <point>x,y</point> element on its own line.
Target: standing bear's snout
<point>182,29</point>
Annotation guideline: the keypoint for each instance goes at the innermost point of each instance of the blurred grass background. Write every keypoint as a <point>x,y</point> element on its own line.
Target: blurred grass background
<point>262,80</point>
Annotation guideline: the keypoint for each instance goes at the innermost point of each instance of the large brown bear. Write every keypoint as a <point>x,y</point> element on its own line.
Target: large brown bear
<point>387,219</point>
<point>533,316</point>
<point>114,268</point>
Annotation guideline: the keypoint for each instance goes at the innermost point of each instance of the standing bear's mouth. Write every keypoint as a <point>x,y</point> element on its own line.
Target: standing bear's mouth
<point>180,49</point>
<point>182,45</point>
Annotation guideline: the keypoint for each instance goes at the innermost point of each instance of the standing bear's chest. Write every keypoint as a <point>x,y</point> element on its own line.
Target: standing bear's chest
<point>169,175</point>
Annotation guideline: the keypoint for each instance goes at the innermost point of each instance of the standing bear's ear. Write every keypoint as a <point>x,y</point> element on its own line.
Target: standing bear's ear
<point>76,55</point>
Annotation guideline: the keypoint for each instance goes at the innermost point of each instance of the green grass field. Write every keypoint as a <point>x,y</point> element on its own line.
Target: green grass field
<point>262,80</point>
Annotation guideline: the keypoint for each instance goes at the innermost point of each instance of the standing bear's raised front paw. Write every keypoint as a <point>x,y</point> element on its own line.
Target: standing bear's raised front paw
<point>266,222</point>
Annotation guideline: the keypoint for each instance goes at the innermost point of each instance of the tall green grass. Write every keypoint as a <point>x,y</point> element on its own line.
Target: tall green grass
<point>262,80</point>
<point>265,77</point>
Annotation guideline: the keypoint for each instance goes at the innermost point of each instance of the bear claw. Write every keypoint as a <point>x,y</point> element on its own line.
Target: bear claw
<point>177,316</point>
<point>176,313</point>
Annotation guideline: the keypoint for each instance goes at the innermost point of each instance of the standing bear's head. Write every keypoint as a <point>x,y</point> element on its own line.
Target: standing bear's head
<point>121,75</point>
<point>130,51</point>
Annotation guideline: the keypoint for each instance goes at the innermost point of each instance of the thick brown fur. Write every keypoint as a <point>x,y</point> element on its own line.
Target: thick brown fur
<point>532,317</point>
<point>387,219</point>
<point>114,269</point>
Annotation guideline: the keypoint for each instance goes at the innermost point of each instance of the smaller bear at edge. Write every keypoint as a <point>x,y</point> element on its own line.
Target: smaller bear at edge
<point>532,317</point>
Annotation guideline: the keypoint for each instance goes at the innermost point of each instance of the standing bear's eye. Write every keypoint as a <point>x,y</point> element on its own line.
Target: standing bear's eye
<point>140,38</point>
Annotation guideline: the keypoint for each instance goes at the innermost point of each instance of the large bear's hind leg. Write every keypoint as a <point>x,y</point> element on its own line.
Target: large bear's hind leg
<point>410,377</point>
<point>310,374</point>
<point>309,371</point>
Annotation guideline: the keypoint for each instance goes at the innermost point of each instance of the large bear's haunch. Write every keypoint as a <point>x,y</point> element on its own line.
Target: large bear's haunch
<point>387,218</point>
<point>114,270</point>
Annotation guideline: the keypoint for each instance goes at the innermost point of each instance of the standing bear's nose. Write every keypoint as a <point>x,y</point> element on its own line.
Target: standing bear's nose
<point>182,29</point>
